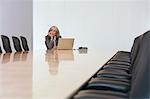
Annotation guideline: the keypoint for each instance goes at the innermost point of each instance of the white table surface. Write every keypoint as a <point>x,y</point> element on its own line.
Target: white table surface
<point>54,74</point>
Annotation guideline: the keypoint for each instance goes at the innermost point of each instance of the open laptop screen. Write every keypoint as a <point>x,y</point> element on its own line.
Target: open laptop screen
<point>65,44</point>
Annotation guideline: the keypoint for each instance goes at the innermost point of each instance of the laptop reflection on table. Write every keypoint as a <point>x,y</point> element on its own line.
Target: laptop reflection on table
<point>53,57</point>
<point>65,55</point>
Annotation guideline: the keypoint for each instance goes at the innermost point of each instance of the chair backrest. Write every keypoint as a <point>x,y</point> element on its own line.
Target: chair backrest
<point>6,44</point>
<point>0,50</point>
<point>17,44</point>
<point>24,43</point>
<point>139,80</point>
<point>135,48</point>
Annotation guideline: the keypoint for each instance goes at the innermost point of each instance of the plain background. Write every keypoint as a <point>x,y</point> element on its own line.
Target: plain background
<point>16,19</point>
<point>97,24</point>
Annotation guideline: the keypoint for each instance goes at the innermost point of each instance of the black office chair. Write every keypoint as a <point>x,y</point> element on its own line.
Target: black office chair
<point>17,45</point>
<point>6,44</point>
<point>24,43</point>
<point>112,88</point>
<point>0,50</point>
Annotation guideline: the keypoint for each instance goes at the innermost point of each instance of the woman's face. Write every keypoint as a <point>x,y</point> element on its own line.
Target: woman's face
<point>53,31</point>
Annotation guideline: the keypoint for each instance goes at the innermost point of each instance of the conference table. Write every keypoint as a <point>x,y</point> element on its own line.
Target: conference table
<point>48,74</point>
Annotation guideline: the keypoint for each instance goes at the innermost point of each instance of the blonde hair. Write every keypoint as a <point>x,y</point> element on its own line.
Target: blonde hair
<point>57,30</point>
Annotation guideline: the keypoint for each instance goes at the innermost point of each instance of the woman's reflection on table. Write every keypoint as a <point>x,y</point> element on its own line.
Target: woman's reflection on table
<point>51,57</point>
<point>54,57</point>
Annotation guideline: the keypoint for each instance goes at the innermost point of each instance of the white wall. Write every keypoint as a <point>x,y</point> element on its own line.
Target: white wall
<point>16,19</point>
<point>101,24</point>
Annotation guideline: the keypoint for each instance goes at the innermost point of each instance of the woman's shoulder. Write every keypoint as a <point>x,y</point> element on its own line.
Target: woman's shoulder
<point>47,37</point>
<point>59,36</point>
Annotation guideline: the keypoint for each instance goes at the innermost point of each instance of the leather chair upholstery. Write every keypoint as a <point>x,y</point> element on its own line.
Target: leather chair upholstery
<point>6,44</point>
<point>17,44</point>
<point>24,43</point>
<point>117,84</point>
<point>0,50</point>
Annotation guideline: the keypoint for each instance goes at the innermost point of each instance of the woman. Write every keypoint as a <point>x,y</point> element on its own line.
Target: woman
<point>51,40</point>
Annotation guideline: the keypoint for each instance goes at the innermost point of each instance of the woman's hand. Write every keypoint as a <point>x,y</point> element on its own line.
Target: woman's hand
<point>50,35</point>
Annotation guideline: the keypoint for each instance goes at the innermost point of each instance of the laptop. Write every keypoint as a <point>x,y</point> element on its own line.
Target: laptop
<point>65,44</point>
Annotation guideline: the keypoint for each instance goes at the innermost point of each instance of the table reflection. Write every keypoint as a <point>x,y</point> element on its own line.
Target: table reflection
<point>13,57</point>
<point>24,56</point>
<point>83,51</point>
<point>17,56</point>
<point>53,57</point>
<point>65,55</point>
<point>16,75</point>
<point>6,58</point>
<point>31,75</point>
<point>20,56</point>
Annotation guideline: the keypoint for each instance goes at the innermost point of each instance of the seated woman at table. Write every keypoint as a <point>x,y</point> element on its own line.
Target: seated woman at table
<point>51,40</point>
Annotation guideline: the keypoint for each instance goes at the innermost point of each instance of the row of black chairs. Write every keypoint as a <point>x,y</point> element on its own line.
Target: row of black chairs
<point>124,76</point>
<point>16,42</point>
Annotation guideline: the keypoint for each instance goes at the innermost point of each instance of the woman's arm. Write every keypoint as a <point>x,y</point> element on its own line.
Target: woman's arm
<point>48,42</point>
<point>57,39</point>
